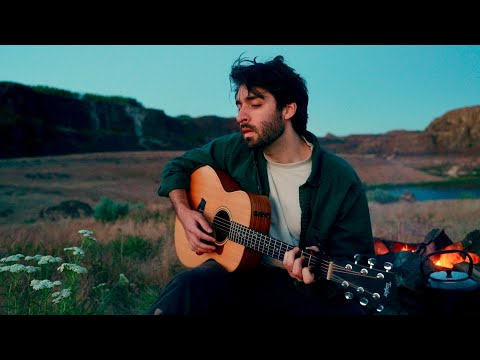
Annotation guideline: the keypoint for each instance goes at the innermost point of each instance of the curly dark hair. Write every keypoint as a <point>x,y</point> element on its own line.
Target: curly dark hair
<point>279,79</point>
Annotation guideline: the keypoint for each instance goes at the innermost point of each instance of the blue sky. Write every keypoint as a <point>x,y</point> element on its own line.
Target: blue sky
<point>358,89</point>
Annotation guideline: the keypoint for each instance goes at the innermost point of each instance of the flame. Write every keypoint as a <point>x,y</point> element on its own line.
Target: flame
<point>449,260</point>
<point>380,247</point>
<point>446,261</point>
<point>404,247</point>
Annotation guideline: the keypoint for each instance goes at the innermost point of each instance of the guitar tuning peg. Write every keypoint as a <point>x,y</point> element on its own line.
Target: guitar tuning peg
<point>388,266</point>
<point>357,257</point>
<point>380,308</point>
<point>371,262</point>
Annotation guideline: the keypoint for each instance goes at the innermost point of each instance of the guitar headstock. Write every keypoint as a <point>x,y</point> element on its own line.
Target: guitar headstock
<point>372,287</point>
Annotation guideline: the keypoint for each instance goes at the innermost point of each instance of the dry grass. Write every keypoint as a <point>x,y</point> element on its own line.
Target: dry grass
<point>373,169</point>
<point>409,222</point>
<point>142,250</point>
<point>402,221</point>
<point>29,185</point>
<point>51,236</point>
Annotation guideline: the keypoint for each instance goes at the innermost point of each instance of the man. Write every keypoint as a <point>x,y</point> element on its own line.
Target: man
<point>317,204</point>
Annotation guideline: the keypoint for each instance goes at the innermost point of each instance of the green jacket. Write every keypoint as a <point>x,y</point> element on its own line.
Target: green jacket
<point>335,214</point>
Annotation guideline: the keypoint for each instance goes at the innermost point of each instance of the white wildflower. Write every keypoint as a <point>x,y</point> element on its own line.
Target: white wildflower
<point>122,280</point>
<point>76,250</point>
<point>59,295</point>
<point>72,267</point>
<point>86,233</point>
<point>31,269</point>
<point>49,259</point>
<point>36,257</point>
<point>15,268</point>
<point>12,258</point>
<point>44,284</point>
<point>99,286</point>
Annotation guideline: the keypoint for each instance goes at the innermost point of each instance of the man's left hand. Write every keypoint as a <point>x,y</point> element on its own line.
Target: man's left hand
<point>294,265</point>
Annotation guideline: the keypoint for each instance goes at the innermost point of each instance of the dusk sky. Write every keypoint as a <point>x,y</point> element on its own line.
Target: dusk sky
<point>358,89</point>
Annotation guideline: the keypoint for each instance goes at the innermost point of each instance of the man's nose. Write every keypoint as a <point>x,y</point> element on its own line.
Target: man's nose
<point>242,116</point>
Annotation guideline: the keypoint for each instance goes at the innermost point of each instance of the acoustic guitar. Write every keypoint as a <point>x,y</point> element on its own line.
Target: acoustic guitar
<point>240,223</point>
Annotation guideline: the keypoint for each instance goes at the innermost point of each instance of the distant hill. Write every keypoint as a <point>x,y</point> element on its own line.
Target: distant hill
<point>455,132</point>
<point>41,121</point>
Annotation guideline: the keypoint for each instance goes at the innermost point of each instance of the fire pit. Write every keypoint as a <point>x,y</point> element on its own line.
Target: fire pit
<point>435,276</point>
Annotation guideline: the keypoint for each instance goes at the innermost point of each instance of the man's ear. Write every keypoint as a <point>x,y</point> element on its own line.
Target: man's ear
<point>289,110</point>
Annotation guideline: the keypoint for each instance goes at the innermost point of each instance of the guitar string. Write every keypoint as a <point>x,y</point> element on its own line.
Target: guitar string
<point>226,226</point>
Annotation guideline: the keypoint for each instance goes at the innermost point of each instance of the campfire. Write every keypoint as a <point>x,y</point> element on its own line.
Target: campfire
<point>415,265</point>
<point>437,241</point>
<point>449,260</point>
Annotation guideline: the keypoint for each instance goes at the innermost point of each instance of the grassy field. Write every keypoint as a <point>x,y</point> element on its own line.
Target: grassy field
<point>139,247</point>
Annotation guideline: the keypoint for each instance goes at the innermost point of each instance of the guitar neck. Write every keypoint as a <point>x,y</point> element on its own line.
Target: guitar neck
<point>262,243</point>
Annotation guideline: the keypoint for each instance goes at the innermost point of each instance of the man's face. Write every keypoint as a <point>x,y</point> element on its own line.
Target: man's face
<point>260,121</point>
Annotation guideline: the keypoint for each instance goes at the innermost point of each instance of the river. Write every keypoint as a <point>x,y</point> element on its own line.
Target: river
<point>422,193</point>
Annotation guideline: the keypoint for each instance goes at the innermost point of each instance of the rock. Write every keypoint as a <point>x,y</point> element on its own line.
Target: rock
<point>408,196</point>
<point>471,242</point>
<point>67,209</point>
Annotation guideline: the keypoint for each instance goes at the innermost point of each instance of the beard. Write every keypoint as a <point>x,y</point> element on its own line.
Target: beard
<point>269,132</point>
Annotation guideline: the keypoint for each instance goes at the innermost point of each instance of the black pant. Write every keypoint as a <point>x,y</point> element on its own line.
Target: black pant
<point>210,290</point>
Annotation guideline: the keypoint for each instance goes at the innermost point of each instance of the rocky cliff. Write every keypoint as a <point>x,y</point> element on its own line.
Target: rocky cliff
<point>455,132</point>
<point>39,121</point>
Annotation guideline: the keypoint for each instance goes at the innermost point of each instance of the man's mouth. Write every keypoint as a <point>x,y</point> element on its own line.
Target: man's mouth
<point>246,130</point>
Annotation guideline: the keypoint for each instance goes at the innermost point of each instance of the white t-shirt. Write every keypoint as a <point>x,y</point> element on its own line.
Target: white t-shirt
<point>284,181</point>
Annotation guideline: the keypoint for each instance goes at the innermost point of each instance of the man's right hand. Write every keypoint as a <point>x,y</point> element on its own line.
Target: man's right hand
<point>197,230</point>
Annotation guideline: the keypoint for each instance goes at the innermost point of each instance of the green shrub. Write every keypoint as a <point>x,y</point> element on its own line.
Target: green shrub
<point>131,246</point>
<point>109,210</point>
<point>466,195</point>
<point>55,91</point>
<point>116,100</point>
<point>381,196</point>
<point>139,213</point>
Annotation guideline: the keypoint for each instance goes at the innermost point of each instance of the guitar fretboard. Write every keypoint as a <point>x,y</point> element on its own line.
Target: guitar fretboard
<point>255,240</point>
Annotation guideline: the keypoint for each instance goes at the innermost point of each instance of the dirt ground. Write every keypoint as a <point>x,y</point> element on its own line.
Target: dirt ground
<point>30,185</point>
<point>378,170</point>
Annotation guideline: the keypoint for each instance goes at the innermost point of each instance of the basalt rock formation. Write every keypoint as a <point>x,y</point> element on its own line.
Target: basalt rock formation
<point>36,122</point>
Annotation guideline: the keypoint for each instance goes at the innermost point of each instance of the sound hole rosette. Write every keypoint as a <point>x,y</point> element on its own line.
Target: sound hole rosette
<point>221,225</point>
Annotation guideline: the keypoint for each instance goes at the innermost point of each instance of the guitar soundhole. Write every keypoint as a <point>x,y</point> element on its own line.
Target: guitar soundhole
<point>221,225</point>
